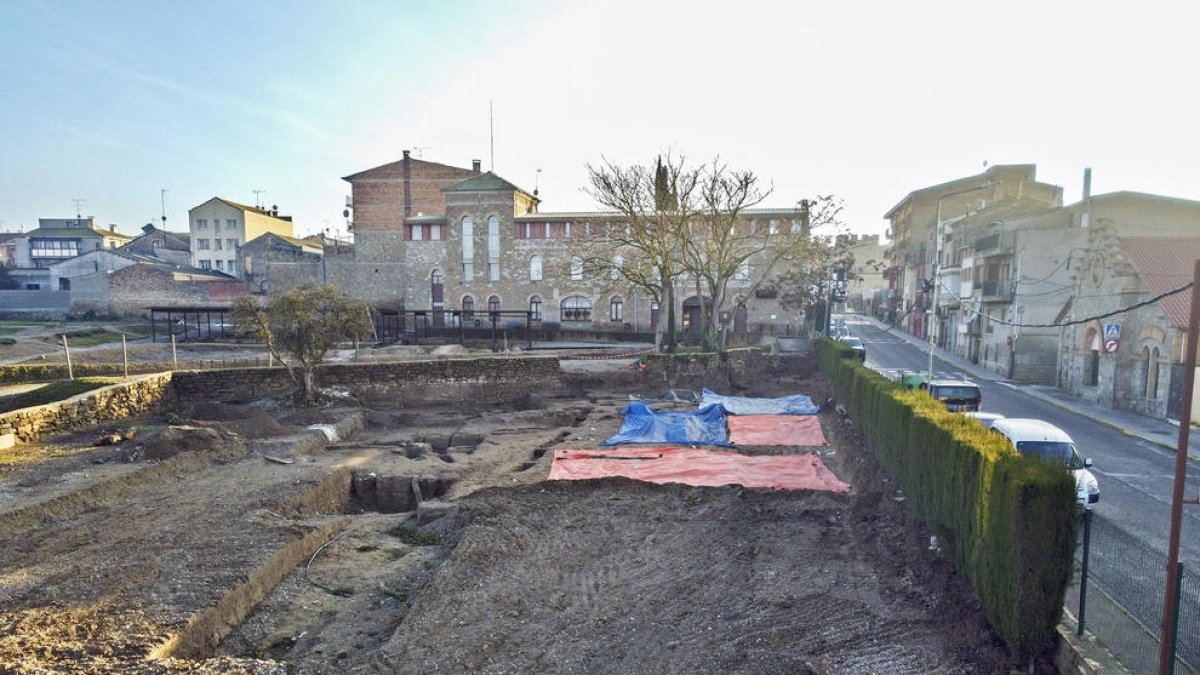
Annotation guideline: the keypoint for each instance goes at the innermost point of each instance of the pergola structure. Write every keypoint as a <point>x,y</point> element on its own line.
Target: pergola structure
<point>189,323</point>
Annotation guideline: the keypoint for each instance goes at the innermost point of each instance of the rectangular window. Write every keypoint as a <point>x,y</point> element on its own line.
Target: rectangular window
<point>206,264</point>
<point>231,244</point>
<point>201,224</point>
<point>220,264</point>
<point>435,232</point>
<point>493,249</point>
<point>217,244</point>
<point>528,234</point>
<point>493,271</point>
<point>231,225</point>
<point>201,244</point>
<point>231,267</point>
<point>468,249</point>
<point>576,269</point>
<point>415,233</point>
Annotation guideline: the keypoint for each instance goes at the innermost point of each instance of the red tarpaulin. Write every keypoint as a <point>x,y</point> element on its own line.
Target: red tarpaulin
<point>802,430</point>
<point>696,466</point>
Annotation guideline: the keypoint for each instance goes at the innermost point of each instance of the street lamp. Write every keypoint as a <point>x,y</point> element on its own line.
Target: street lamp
<point>937,261</point>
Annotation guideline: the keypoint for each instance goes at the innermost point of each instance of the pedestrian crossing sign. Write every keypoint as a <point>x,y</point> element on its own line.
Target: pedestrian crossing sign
<point>1112,331</point>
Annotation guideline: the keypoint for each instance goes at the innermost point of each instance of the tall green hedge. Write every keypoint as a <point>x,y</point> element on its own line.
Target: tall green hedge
<point>1008,520</point>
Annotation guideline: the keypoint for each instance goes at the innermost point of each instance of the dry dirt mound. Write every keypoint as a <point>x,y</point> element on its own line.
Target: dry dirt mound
<point>617,576</point>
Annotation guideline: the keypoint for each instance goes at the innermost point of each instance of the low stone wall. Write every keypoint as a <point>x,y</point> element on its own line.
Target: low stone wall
<point>479,380</point>
<point>736,368</point>
<point>114,402</point>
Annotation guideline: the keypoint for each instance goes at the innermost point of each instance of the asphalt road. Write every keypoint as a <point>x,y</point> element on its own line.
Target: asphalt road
<point>1136,477</point>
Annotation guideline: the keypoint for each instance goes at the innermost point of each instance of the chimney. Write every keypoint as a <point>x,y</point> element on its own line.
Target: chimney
<point>405,154</point>
<point>1087,183</point>
<point>112,228</point>
<point>477,165</point>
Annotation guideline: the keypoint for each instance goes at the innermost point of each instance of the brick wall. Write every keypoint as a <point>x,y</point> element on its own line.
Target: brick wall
<point>115,402</point>
<point>130,291</point>
<point>378,193</point>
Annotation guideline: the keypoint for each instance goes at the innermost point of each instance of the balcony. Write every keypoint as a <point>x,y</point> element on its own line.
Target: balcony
<point>996,290</point>
<point>999,243</point>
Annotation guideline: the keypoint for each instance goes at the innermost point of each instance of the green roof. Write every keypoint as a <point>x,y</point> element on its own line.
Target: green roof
<point>484,182</point>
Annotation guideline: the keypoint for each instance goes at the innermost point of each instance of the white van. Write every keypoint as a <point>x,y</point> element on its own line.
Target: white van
<point>1042,439</point>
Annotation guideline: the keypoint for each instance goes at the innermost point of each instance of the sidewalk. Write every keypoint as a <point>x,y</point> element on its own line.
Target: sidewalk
<point>1152,430</point>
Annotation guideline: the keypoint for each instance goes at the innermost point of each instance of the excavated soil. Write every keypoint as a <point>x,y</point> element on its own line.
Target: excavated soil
<point>430,541</point>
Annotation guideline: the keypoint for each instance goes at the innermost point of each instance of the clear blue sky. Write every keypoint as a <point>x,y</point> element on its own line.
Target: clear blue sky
<point>113,101</point>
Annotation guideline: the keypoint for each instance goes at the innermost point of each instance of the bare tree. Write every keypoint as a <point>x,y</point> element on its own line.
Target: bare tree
<point>640,244</point>
<point>301,326</point>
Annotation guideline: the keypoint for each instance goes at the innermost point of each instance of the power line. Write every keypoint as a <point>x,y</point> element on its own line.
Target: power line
<point>1076,322</point>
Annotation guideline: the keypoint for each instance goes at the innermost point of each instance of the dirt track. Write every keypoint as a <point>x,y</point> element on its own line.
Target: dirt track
<point>502,573</point>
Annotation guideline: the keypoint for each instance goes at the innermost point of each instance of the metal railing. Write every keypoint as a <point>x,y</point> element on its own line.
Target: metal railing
<point>1120,600</point>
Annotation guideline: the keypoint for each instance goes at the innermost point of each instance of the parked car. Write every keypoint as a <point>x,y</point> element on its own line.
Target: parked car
<point>1041,439</point>
<point>860,349</point>
<point>956,395</point>
<point>987,419</point>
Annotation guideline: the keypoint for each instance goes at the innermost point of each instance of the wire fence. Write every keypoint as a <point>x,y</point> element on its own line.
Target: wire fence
<point>1126,578</point>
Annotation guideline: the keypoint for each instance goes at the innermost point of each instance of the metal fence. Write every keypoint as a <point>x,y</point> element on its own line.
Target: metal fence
<point>1123,598</point>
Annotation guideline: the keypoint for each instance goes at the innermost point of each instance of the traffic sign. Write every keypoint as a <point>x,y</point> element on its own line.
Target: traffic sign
<point>1111,346</point>
<point>1112,331</point>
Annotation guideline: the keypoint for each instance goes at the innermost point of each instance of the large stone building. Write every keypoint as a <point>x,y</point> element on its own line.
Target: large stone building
<point>219,228</point>
<point>433,237</point>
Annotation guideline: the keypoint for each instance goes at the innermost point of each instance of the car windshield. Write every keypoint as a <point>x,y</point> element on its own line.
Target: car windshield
<point>945,393</point>
<point>1055,451</point>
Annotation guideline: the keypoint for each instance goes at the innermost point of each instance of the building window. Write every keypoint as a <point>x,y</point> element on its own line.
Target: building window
<point>231,244</point>
<point>206,264</point>
<point>217,244</point>
<point>743,271</point>
<point>230,267</point>
<point>435,232</point>
<point>618,263</point>
<point>1151,372</point>
<point>216,226</point>
<point>616,309</point>
<point>220,263</point>
<point>468,307</point>
<point>576,268</point>
<point>494,307</point>
<point>576,308</point>
<point>535,308</point>
<point>535,268</point>
<point>201,244</point>
<point>53,248</point>
<point>468,249</point>
<point>773,227</point>
<point>201,224</point>
<point>231,225</point>
<point>415,232</point>
<point>493,225</point>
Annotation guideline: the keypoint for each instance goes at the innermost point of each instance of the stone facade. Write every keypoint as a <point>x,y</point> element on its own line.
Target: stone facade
<point>115,402</point>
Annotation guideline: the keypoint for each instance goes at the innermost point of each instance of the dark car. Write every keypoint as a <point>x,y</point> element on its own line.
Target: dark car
<point>857,345</point>
<point>956,395</point>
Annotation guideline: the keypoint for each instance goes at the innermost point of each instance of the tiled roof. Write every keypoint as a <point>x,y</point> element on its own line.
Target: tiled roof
<point>1164,264</point>
<point>483,182</point>
<point>390,166</point>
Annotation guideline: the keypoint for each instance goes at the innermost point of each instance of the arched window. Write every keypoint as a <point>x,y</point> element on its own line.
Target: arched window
<point>576,268</point>
<point>618,263</point>
<point>468,248</point>
<point>493,225</point>
<point>576,308</point>
<point>468,307</point>
<point>494,303</point>
<point>535,268</point>
<point>743,271</point>
<point>616,309</point>
<point>535,308</point>
<point>436,278</point>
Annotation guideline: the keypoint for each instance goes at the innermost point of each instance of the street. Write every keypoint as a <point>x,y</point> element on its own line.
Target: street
<point>1135,475</point>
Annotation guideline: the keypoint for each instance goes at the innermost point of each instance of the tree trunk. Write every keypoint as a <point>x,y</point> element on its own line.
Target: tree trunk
<point>308,389</point>
<point>669,291</point>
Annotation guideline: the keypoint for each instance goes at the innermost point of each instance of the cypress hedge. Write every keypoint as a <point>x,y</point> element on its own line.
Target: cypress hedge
<point>1007,520</point>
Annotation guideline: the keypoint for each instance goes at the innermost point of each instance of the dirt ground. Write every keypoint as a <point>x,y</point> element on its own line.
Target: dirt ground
<point>227,544</point>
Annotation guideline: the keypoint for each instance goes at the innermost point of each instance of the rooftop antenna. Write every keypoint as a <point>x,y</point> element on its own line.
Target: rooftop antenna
<point>78,203</point>
<point>420,150</point>
<point>492,134</point>
<point>536,176</point>
<point>162,196</point>
<point>258,198</point>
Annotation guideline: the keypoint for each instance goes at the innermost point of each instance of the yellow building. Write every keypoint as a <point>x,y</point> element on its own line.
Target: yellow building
<point>219,228</point>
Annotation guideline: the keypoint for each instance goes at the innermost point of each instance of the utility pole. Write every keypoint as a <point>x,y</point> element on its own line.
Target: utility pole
<point>162,196</point>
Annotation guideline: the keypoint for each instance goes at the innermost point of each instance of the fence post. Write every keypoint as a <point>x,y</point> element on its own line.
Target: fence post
<point>1174,636</point>
<point>1083,573</point>
<point>125,355</point>
<point>174,356</point>
<point>67,351</point>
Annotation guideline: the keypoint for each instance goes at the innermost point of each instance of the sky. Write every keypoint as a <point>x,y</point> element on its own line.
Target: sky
<point>114,102</point>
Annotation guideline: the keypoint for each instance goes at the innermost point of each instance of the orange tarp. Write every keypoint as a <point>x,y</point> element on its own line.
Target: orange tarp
<point>802,430</point>
<point>697,466</point>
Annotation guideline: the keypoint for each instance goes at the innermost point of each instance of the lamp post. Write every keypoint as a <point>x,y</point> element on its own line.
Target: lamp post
<point>937,261</point>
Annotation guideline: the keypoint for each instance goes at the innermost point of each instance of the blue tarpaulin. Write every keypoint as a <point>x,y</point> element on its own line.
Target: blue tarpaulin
<point>642,424</point>
<point>796,404</point>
